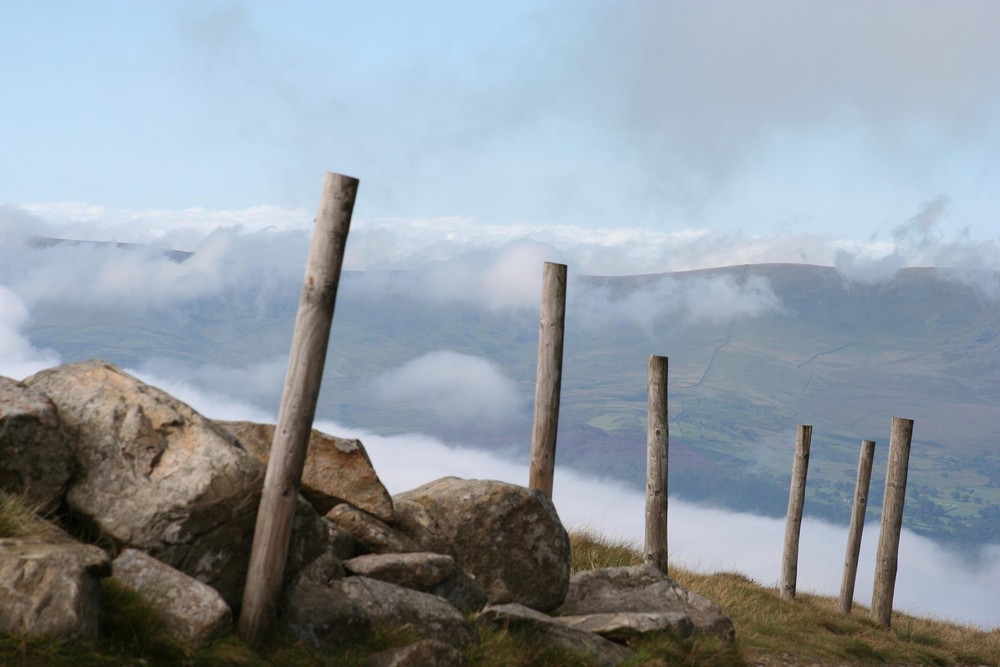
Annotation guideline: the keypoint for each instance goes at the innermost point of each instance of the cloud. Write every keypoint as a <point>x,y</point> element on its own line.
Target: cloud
<point>454,388</point>
<point>18,357</point>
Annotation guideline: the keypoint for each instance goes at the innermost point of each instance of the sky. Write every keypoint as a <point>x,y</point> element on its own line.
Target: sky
<point>489,137</point>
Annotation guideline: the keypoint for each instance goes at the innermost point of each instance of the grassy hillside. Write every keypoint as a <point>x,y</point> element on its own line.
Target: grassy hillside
<point>843,356</point>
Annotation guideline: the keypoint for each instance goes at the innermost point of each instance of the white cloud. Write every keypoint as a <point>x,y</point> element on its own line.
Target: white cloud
<point>18,357</point>
<point>455,388</point>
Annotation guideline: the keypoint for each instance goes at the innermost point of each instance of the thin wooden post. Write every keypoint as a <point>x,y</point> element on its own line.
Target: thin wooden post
<point>657,462</point>
<point>548,380</point>
<point>298,407</point>
<point>793,522</point>
<point>887,558</point>
<point>858,508</point>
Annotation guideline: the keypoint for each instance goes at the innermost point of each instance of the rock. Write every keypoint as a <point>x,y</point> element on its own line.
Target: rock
<point>156,475</point>
<point>424,653</point>
<point>508,537</point>
<point>337,470</point>
<point>324,569</point>
<point>461,591</point>
<point>35,455</point>
<point>624,626</point>
<point>370,534</point>
<point>192,611</point>
<point>547,631</point>
<point>51,588</point>
<point>429,616</point>
<point>419,571</point>
<point>641,589</point>
<point>319,616</point>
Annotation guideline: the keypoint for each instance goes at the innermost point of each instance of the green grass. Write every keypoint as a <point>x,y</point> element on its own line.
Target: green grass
<point>769,630</point>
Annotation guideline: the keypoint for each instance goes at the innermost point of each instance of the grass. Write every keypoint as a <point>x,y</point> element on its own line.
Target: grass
<point>808,631</point>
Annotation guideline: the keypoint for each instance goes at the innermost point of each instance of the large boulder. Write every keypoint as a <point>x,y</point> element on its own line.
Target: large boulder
<point>336,470</point>
<point>191,610</point>
<point>35,455</point>
<point>428,572</point>
<point>50,588</point>
<point>370,535</point>
<point>319,616</point>
<point>508,537</point>
<point>633,594</point>
<point>156,475</point>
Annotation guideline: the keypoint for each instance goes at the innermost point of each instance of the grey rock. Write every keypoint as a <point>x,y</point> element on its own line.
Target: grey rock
<point>626,625</point>
<point>370,534</point>
<point>424,653</point>
<point>643,589</point>
<point>51,589</point>
<point>36,459</point>
<point>508,537</point>
<point>462,591</point>
<point>192,611</point>
<point>320,616</point>
<point>156,475</point>
<point>336,470</point>
<point>420,571</point>
<point>429,616</point>
<point>547,631</point>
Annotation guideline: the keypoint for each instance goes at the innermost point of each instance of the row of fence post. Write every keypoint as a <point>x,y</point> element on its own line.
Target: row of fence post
<point>887,554</point>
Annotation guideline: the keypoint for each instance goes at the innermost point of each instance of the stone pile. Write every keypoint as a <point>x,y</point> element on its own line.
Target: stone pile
<point>170,499</point>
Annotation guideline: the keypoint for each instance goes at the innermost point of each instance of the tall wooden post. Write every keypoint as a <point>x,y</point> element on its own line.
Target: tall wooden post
<point>657,464</point>
<point>887,558</point>
<point>548,380</point>
<point>858,508</point>
<point>298,407</point>
<point>793,521</point>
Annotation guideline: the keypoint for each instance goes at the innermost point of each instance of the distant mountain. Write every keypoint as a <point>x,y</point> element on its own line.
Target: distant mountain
<point>754,351</point>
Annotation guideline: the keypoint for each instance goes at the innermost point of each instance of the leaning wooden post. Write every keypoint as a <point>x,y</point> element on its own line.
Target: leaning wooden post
<point>298,407</point>
<point>548,380</point>
<point>887,558</point>
<point>858,509</point>
<point>793,522</point>
<point>657,447</point>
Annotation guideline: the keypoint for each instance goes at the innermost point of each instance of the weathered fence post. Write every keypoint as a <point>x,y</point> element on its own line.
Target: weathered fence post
<point>793,521</point>
<point>887,558</point>
<point>298,407</point>
<point>858,508</point>
<point>657,464</point>
<point>548,380</point>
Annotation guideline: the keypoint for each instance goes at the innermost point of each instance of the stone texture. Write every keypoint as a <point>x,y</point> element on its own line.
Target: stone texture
<point>424,653</point>
<point>420,571</point>
<point>508,537</point>
<point>51,589</point>
<point>370,534</point>
<point>193,611</point>
<point>337,470</point>
<point>547,631</point>
<point>624,626</point>
<point>462,591</point>
<point>319,616</point>
<point>429,616</point>
<point>642,589</point>
<point>36,459</point>
<point>156,475</point>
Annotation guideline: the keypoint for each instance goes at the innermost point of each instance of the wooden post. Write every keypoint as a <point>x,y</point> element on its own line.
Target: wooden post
<point>793,522</point>
<point>298,407</point>
<point>887,558</point>
<point>548,380</point>
<point>860,505</point>
<point>657,462</point>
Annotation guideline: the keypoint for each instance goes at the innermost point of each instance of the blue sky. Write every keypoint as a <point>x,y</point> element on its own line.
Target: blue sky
<point>754,119</point>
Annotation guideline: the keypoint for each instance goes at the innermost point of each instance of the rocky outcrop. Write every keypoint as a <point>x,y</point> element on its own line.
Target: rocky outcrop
<point>51,588</point>
<point>336,470</point>
<point>176,494</point>
<point>35,458</point>
<point>154,474</point>
<point>191,610</point>
<point>508,537</point>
